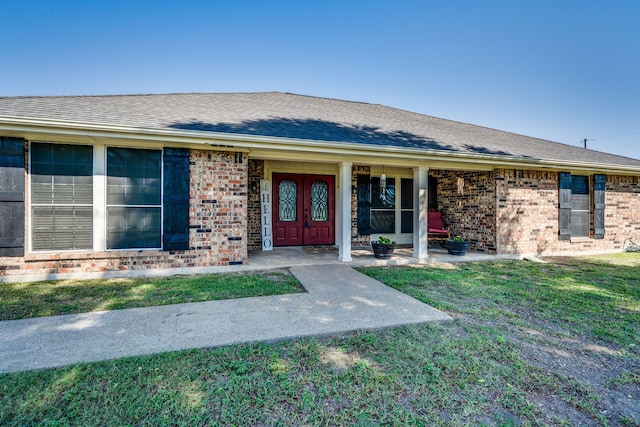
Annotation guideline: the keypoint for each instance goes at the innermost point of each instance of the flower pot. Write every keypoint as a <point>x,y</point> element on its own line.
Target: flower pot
<point>383,251</point>
<point>457,248</point>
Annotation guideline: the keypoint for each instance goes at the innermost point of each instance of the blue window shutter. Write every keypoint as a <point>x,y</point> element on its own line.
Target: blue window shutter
<point>599,184</point>
<point>364,205</point>
<point>176,199</point>
<point>564,179</point>
<point>580,184</point>
<point>12,197</point>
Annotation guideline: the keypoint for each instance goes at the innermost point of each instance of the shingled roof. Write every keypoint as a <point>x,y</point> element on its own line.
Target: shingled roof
<point>284,115</point>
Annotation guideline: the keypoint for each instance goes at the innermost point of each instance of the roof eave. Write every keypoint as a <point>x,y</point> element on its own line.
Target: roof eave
<point>35,126</point>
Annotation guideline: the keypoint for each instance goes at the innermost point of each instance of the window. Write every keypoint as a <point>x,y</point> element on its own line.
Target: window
<point>406,205</point>
<point>132,213</point>
<point>134,188</point>
<point>388,211</point>
<point>580,206</point>
<point>61,197</point>
<point>383,206</point>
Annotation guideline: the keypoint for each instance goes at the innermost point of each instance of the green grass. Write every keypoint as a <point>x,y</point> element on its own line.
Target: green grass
<point>23,300</point>
<point>595,297</point>
<point>472,371</point>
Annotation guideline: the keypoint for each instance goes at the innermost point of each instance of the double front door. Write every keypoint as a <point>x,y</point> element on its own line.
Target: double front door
<point>303,209</point>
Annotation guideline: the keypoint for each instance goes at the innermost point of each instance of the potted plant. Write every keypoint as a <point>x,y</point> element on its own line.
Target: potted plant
<point>383,248</point>
<point>457,245</point>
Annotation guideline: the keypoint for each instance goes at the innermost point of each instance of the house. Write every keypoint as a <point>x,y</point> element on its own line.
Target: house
<point>103,183</point>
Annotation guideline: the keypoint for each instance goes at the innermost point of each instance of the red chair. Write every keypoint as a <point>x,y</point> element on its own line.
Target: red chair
<point>436,229</point>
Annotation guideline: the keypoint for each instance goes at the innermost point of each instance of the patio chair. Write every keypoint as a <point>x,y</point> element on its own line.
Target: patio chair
<point>436,228</point>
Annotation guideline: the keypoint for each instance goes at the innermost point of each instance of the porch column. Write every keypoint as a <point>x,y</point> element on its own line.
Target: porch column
<point>344,212</point>
<point>99,198</point>
<point>420,211</point>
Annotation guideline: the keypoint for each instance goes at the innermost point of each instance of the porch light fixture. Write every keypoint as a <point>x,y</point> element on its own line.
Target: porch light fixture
<point>383,184</point>
<point>460,185</point>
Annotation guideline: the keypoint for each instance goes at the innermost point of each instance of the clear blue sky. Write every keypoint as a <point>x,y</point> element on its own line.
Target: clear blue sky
<point>554,69</point>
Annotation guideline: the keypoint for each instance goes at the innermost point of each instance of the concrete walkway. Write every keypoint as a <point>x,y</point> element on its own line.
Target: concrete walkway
<point>338,300</point>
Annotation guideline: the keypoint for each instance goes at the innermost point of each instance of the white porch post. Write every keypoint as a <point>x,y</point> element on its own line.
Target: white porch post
<point>420,211</point>
<point>99,198</point>
<point>344,213</point>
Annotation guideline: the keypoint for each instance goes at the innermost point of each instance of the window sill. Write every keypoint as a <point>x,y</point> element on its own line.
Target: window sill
<point>83,255</point>
<point>580,239</point>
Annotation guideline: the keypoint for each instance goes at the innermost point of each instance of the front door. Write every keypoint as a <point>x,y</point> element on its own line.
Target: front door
<point>303,211</point>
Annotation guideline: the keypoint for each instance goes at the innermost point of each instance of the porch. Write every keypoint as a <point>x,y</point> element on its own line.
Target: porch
<point>364,202</point>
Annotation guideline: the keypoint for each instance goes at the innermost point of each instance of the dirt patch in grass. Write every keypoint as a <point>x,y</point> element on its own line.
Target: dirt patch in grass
<point>588,364</point>
<point>598,365</point>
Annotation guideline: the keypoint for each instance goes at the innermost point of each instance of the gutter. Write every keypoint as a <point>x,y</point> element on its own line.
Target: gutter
<point>31,128</point>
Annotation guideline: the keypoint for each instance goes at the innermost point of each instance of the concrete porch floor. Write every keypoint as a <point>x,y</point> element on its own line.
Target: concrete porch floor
<point>362,257</point>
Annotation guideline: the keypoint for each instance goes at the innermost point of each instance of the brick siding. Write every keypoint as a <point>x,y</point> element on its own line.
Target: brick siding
<point>472,213</point>
<point>622,210</point>
<point>254,232</point>
<point>516,212</point>
<point>528,207</point>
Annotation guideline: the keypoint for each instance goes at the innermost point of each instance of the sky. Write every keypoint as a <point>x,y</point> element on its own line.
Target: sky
<point>562,70</point>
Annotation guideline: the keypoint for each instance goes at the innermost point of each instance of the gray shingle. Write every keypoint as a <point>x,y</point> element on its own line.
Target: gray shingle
<point>302,117</point>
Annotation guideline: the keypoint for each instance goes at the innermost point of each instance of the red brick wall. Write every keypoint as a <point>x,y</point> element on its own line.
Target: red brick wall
<point>254,232</point>
<point>472,213</point>
<point>217,235</point>
<point>218,206</point>
<point>622,209</point>
<point>516,212</point>
<point>527,214</point>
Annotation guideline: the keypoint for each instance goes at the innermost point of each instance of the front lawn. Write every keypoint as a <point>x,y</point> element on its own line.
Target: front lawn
<point>593,297</point>
<point>23,300</point>
<point>530,344</point>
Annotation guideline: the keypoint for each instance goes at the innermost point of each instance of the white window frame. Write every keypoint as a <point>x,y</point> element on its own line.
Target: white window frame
<point>397,236</point>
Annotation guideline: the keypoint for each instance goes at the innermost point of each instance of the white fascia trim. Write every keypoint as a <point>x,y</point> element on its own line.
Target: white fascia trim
<point>247,142</point>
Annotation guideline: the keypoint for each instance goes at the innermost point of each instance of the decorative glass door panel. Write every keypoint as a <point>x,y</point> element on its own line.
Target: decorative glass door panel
<point>305,209</point>
<point>288,200</point>
<point>319,201</point>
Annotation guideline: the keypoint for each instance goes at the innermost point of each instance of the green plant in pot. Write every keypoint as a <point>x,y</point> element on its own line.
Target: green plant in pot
<point>383,248</point>
<point>457,245</point>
